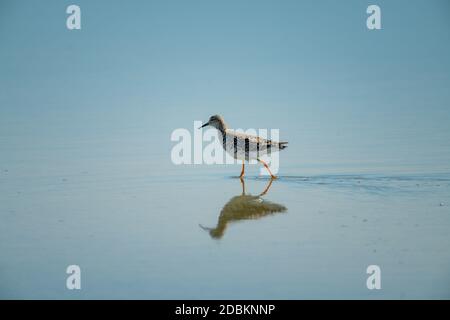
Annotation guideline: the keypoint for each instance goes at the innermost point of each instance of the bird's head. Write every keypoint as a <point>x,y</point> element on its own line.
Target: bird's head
<point>215,121</point>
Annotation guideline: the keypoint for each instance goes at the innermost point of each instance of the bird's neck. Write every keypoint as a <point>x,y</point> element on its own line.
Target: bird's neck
<point>222,128</point>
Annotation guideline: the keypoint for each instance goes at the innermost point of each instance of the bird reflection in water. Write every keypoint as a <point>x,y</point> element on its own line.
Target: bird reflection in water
<point>244,207</point>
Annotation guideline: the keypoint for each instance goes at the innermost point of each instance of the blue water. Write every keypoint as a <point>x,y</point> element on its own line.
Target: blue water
<point>139,236</point>
<point>86,176</point>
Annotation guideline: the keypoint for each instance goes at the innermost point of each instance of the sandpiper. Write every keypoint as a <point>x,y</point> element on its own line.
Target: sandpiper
<point>242,146</point>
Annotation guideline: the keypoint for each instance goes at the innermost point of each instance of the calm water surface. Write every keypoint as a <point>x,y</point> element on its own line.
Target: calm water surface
<point>86,177</point>
<point>192,233</point>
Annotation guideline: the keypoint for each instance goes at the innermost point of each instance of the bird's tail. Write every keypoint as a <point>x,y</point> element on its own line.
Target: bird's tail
<point>282,145</point>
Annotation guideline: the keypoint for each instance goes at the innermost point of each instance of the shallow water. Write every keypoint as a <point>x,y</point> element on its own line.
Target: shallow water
<point>195,235</point>
<point>86,177</point>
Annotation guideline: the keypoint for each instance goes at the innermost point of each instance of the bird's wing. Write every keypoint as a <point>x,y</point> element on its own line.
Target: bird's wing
<point>256,140</point>
<point>250,137</point>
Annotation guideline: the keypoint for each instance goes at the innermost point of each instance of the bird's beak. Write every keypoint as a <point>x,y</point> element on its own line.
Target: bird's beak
<point>204,125</point>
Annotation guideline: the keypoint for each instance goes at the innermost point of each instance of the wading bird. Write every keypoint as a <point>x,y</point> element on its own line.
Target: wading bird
<point>243,146</point>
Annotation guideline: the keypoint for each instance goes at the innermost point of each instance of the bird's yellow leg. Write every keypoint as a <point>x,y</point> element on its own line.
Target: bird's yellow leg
<point>267,188</point>
<point>267,167</point>
<point>243,170</point>
<point>243,186</point>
